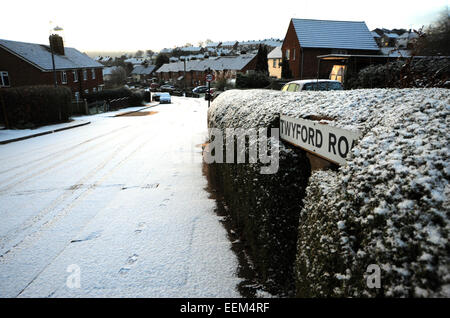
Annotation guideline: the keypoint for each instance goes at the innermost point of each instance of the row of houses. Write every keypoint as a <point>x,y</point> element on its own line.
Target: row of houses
<point>306,42</point>
<point>193,72</point>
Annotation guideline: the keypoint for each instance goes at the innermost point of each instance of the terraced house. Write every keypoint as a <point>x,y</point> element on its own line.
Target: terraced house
<point>24,64</point>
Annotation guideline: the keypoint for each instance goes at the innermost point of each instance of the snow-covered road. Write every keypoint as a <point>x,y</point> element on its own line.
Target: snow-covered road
<point>122,203</point>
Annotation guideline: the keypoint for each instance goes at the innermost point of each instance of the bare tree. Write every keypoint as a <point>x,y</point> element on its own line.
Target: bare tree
<point>118,77</point>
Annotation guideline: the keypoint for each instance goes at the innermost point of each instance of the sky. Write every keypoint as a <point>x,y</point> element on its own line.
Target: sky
<point>131,25</point>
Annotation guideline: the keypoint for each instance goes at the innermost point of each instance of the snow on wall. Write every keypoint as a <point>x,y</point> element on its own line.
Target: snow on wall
<point>389,206</point>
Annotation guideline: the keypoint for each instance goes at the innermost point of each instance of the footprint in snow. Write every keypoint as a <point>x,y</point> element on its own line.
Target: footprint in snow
<point>128,265</point>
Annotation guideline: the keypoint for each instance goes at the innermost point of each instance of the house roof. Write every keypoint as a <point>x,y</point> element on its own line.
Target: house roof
<point>334,34</point>
<point>217,64</point>
<point>110,70</point>
<point>40,56</point>
<point>275,53</point>
<point>142,70</point>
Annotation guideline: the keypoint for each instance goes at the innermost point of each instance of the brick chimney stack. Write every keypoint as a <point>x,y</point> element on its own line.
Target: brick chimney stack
<point>57,44</point>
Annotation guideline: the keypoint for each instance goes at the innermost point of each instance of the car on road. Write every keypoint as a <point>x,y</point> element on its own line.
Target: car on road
<point>200,90</point>
<point>155,97</point>
<point>164,98</point>
<point>211,93</point>
<point>313,85</point>
<point>167,88</point>
<point>154,87</point>
<point>215,94</point>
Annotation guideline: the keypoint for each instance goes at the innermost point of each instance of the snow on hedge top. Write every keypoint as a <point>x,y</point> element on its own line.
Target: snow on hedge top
<point>354,110</point>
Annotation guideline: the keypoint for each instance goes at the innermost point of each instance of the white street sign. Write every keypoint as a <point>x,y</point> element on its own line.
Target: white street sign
<point>331,143</point>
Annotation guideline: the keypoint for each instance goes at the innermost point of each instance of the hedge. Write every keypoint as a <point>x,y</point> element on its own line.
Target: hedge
<point>32,106</point>
<point>136,97</point>
<point>410,73</point>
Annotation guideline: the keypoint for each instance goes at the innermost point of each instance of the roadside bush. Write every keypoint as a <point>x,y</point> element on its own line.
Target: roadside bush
<point>414,72</point>
<point>252,80</point>
<point>135,97</point>
<point>33,106</point>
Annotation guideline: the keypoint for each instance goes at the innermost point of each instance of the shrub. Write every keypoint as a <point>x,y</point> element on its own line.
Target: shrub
<point>414,72</point>
<point>135,97</point>
<point>252,80</point>
<point>32,106</point>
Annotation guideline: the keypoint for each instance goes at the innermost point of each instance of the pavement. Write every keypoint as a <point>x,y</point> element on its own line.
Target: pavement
<point>12,135</point>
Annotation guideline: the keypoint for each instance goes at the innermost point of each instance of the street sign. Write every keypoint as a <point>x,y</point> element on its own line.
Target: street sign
<point>331,143</point>
<point>209,77</point>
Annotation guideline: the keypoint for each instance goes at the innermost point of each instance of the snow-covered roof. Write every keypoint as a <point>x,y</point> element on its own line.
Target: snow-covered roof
<point>218,64</point>
<point>136,60</point>
<point>391,35</point>
<point>109,70</point>
<point>229,43</point>
<point>191,49</point>
<point>212,44</point>
<point>334,34</point>
<point>40,56</point>
<point>275,53</point>
<point>394,52</point>
<point>375,34</point>
<point>143,70</point>
<point>409,35</point>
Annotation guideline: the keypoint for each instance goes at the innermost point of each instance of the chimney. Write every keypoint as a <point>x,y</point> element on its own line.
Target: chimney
<point>57,44</point>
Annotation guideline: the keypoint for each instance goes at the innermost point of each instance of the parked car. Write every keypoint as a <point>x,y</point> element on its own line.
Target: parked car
<point>167,88</point>
<point>214,94</point>
<point>156,96</point>
<point>200,90</point>
<point>154,87</point>
<point>164,98</point>
<point>313,85</point>
<point>211,92</point>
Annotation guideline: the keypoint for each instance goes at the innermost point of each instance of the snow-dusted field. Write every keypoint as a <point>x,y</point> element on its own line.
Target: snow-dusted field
<point>124,201</point>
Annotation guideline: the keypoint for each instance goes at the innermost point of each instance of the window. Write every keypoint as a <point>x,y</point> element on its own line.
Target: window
<point>63,77</point>
<point>77,96</point>
<point>75,76</point>
<point>293,54</point>
<point>100,88</point>
<point>93,73</point>
<point>323,86</point>
<point>94,90</point>
<point>287,54</point>
<point>84,75</point>
<point>293,88</point>
<point>274,63</point>
<point>4,79</point>
<point>337,73</point>
<point>86,91</point>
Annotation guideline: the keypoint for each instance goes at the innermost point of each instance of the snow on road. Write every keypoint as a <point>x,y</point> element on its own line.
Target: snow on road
<point>122,202</point>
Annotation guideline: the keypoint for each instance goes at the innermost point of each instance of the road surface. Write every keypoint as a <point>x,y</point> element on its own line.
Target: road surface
<point>117,208</point>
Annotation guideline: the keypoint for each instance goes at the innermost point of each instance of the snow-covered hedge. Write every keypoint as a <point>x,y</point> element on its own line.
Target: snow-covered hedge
<point>389,206</point>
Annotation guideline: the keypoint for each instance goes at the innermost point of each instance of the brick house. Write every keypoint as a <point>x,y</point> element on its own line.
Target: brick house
<point>306,39</point>
<point>196,70</point>
<point>24,64</point>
